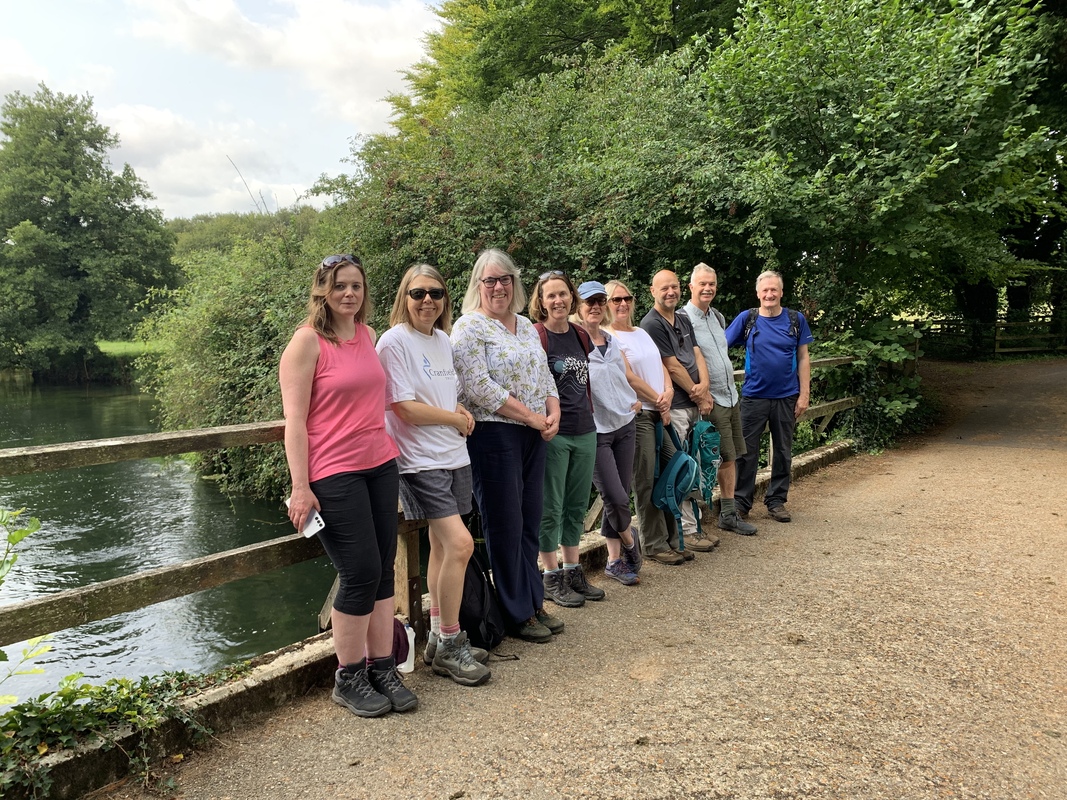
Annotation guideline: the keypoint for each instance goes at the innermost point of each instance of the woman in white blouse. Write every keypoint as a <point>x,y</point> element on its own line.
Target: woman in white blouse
<point>509,391</point>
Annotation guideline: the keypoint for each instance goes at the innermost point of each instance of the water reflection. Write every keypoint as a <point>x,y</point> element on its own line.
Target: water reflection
<point>111,520</point>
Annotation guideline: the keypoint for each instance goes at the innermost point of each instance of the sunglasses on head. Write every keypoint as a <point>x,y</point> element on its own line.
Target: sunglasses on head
<point>626,298</point>
<point>341,258</point>
<point>552,273</point>
<point>503,280</point>
<point>420,294</point>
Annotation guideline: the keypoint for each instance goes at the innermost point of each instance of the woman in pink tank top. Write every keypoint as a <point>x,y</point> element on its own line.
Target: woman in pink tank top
<point>343,465</point>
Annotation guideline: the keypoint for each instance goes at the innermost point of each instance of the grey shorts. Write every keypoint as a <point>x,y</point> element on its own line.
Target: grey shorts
<point>727,419</point>
<point>436,493</point>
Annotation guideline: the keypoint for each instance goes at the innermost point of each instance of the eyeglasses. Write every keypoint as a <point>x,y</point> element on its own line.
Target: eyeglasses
<point>626,298</point>
<point>503,280</point>
<point>342,258</point>
<point>552,273</point>
<point>599,300</point>
<point>420,294</point>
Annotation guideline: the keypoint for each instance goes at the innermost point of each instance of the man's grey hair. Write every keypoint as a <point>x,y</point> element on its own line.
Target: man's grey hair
<point>770,273</point>
<point>702,267</point>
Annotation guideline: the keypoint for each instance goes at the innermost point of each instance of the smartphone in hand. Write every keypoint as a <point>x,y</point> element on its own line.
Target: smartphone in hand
<point>313,524</point>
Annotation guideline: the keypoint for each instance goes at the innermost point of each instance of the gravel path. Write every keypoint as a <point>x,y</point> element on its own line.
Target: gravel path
<point>903,637</point>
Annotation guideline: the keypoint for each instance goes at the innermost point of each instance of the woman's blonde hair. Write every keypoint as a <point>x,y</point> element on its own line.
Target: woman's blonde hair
<point>472,300</point>
<point>609,312</point>
<point>537,304</point>
<point>320,318</point>
<point>400,314</point>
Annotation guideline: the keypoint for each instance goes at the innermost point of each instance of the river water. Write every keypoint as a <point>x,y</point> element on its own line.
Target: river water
<point>112,520</point>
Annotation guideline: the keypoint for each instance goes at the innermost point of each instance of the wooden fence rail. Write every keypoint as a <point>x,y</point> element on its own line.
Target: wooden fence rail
<point>72,607</point>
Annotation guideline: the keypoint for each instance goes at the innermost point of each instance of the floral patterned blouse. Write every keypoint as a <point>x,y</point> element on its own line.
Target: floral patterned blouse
<point>493,362</point>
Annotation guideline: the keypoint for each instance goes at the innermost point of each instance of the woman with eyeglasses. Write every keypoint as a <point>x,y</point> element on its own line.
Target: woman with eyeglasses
<point>572,453</point>
<point>509,391</point>
<point>652,383</point>
<point>342,462</point>
<point>430,428</point>
<point>615,406</point>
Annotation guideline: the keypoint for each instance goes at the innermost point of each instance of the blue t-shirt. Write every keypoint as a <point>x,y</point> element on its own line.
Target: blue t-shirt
<point>770,354</point>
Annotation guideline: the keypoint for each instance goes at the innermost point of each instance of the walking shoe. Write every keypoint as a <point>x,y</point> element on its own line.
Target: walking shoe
<point>668,557</point>
<point>576,580</point>
<point>352,689</point>
<point>742,513</point>
<point>779,513</point>
<point>554,624</point>
<point>687,554</point>
<point>386,680</point>
<point>533,631</point>
<point>620,571</point>
<point>559,591</point>
<point>480,655</point>
<point>455,660</point>
<point>700,542</point>
<point>731,522</point>
<point>632,555</point>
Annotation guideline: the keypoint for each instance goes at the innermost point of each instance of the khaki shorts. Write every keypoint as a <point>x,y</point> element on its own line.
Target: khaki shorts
<point>727,419</point>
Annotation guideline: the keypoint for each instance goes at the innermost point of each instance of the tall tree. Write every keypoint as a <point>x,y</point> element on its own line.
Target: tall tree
<point>79,246</point>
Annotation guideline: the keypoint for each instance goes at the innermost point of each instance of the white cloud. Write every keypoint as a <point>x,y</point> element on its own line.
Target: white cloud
<point>349,53</point>
<point>189,164</point>
<point>18,71</point>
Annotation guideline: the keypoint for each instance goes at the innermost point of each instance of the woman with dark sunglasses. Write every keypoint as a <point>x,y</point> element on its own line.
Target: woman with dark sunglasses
<point>430,428</point>
<point>508,389</point>
<point>342,462</point>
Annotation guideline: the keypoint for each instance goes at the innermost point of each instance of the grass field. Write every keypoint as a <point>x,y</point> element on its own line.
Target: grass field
<point>130,349</point>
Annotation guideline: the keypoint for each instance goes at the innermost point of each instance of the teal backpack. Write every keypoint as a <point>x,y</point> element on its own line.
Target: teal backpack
<point>703,447</point>
<point>680,477</point>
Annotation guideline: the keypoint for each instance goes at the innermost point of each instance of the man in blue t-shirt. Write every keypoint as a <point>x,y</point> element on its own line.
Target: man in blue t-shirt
<point>776,390</point>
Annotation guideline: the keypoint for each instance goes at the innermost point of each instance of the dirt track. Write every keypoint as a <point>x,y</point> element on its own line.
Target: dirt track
<point>904,637</point>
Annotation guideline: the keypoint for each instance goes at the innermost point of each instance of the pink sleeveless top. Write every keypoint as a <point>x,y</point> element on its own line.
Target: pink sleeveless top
<point>346,416</point>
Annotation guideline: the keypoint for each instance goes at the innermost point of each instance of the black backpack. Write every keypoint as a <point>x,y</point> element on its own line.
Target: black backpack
<point>479,610</point>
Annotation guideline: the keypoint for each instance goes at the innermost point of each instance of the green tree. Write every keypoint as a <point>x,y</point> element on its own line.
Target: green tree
<point>79,247</point>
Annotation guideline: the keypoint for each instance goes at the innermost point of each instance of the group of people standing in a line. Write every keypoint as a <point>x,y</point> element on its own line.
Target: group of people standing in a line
<point>522,414</point>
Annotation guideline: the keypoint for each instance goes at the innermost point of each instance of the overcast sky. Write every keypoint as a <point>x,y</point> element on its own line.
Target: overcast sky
<point>278,86</point>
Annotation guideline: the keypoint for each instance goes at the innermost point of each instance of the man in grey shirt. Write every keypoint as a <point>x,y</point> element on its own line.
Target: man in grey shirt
<point>709,328</point>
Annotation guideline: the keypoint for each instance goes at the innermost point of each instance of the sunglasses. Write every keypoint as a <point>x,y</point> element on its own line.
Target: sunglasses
<point>503,280</point>
<point>420,294</point>
<point>342,258</point>
<point>599,300</point>
<point>626,298</point>
<point>552,273</point>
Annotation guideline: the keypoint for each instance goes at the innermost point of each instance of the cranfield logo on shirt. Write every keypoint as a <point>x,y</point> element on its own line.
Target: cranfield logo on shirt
<point>431,373</point>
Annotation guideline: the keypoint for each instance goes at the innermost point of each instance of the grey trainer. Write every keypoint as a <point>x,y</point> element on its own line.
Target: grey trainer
<point>576,580</point>
<point>558,590</point>
<point>732,522</point>
<point>455,660</point>
<point>480,655</point>
<point>632,555</point>
<point>352,689</point>
<point>620,571</point>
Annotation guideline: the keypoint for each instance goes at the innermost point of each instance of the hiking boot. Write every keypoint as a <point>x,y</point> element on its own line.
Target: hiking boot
<point>455,660</point>
<point>620,571</point>
<point>731,522</point>
<point>533,631</point>
<point>352,689</point>
<point>700,542</point>
<point>687,554</point>
<point>554,624</point>
<point>480,655</point>
<point>576,580</point>
<point>779,513</point>
<point>559,591</point>
<point>632,555</point>
<point>386,680</point>
<point>668,557</point>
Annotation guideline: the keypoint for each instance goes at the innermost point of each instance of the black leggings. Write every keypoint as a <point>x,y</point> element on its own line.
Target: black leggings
<point>360,512</point>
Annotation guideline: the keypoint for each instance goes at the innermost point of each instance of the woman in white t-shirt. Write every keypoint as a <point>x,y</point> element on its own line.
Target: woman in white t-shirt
<point>430,428</point>
<point>652,383</point>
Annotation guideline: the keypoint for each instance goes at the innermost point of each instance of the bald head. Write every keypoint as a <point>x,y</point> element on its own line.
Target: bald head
<point>666,292</point>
